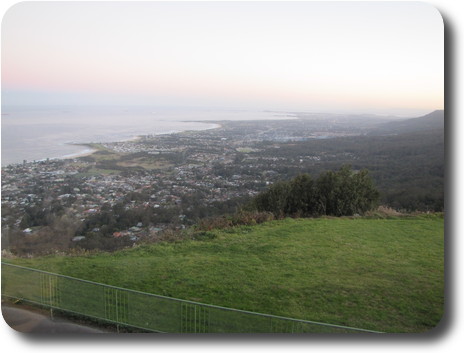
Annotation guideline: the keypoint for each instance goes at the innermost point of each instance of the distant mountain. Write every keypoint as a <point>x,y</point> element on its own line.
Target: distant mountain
<point>432,121</point>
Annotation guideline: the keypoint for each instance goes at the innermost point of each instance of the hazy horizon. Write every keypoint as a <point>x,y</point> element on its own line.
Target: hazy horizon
<point>403,114</point>
<point>383,58</point>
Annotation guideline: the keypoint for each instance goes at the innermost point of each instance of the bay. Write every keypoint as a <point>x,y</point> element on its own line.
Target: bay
<point>38,133</point>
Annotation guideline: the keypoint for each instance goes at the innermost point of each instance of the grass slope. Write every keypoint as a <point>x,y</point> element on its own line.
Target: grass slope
<point>380,274</point>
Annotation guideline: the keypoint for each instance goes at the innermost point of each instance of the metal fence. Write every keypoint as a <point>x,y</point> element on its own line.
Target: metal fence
<point>144,310</point>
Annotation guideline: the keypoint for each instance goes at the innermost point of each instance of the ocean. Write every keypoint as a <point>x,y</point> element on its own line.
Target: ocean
<point>38,133</point>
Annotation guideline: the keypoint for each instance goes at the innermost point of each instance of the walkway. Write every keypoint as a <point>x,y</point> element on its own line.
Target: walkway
<point>31,322</point>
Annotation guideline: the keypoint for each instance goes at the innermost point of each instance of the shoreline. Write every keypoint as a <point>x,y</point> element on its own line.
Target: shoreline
<point>89,150</point>
<point>84,153</point>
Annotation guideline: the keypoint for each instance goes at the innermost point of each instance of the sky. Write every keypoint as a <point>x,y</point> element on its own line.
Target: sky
<point>364,57</point>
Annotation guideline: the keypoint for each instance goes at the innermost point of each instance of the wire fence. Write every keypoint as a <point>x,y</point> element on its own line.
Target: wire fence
<point>144,310</point>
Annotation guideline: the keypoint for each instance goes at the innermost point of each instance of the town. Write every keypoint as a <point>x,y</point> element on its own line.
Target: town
<point>139,190</point>
<point>161,182</point>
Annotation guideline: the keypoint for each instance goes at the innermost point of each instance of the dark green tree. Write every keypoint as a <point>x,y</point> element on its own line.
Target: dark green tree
<point>273,200</point>
<point>346,192</point>
<point>341,193</point>
<point>301,199</point>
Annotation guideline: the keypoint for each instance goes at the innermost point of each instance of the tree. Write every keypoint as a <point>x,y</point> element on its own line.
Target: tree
<point>274,199</point>
<point>366,194</point>
<point>301,200</point>
<point>341,193</point>
<point>327,193</point>
<point>345,192</point>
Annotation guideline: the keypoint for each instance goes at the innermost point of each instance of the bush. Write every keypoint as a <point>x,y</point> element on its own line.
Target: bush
<point>203,235</point>
<point>341,193</point>
<point>238,219</point>
<point>383,212</point>
<point>206,224</point>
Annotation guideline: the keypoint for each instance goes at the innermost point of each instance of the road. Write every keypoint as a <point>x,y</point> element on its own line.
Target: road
<point>31,322</point>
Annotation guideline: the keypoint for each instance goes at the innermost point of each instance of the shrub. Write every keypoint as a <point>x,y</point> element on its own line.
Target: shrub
<point>238,219</point>
<point>340,193</point>
<point>203,235</point>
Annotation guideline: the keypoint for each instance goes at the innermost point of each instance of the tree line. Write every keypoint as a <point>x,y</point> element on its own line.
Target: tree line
<point>408,169</point>
<point>336,193</point>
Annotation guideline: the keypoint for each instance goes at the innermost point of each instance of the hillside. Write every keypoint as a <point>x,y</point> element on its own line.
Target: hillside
<point>379,274</point>
<point>432,121</point>
<point>407,168</point>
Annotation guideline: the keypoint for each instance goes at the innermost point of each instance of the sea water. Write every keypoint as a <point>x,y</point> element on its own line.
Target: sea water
<point>37,133</point>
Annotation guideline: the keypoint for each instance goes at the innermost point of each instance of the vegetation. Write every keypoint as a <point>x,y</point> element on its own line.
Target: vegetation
<point>178,180</point>
<point>408,168</point>
<point>193,230</point>
<point>341,193</point>
<point>373,273</point>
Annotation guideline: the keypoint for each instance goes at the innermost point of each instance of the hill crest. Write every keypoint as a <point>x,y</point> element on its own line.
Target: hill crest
<point>432,121</point>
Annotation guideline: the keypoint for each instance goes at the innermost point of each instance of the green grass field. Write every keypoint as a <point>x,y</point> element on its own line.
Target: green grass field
<point>379,274</point>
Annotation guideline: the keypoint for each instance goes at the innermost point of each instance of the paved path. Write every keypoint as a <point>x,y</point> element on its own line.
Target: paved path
<point>31,322</point>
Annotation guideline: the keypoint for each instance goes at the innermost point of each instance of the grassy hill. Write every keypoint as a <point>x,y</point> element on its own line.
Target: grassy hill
<point>379,274</point>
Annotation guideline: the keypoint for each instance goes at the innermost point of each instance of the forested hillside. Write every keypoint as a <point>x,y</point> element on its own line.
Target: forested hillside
<point>432,121</point>
<point>407,167</point>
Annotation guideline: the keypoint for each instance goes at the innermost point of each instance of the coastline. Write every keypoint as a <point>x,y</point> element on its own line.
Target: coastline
<point>84,153</point>
<point>89,150</point>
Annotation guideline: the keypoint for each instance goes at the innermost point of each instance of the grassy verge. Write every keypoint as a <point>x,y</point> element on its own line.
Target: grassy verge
<point>379,274</point>
<point>110,162</point>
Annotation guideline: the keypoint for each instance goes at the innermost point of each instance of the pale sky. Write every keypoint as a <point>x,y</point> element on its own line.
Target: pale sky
<point>369,57</point>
